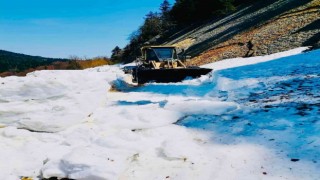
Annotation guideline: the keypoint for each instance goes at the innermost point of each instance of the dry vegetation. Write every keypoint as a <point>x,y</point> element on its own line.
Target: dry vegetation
<point>185,44</point>
<point>100,61</point>
<point>75,63</point>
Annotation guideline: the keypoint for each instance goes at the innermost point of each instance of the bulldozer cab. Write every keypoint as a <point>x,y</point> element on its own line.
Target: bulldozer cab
<point>159,53</point>
<point>159,57</point>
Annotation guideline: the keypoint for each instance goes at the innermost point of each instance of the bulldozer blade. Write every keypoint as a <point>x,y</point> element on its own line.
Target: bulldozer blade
<point>141,75</point>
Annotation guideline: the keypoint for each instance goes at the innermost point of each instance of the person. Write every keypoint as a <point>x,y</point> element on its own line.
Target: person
<point>252,50</point>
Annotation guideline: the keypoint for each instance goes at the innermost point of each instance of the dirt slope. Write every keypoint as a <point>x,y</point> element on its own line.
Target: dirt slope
<point>263,28</point>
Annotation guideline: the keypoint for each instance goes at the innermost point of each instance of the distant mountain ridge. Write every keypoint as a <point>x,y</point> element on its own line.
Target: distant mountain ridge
<point>21,55</point>
<point>20,64</point>
<point>16,62</point>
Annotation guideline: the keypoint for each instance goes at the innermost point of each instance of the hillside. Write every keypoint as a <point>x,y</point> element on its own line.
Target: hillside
<point>262,28</point>
<point>15,62</point>
<point>21,64</point>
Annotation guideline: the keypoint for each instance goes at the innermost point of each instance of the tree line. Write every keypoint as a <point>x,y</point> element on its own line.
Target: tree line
<point>15,62</point>
<point>20,64</point>
<point>169,19</point>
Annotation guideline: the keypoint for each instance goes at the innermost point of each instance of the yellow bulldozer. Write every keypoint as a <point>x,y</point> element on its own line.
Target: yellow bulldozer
<point>162,64</point>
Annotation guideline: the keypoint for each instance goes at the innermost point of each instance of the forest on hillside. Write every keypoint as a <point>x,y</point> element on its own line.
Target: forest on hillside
<point>15,62</point>
<point>170,19</point>
<point>21,64</point>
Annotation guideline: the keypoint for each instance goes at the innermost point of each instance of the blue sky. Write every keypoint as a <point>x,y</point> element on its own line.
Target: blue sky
<point>60,28</point>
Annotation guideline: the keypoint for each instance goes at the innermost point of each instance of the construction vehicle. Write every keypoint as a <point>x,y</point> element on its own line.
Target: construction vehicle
<point>161,64</point>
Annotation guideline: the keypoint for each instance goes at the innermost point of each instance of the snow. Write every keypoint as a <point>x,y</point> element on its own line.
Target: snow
<point>251,118</point>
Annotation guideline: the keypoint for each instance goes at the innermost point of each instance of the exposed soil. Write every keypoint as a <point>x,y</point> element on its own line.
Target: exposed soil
<point>261,29</point>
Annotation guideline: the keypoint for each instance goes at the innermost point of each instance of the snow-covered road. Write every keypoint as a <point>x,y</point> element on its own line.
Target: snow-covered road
<point>252,118</point>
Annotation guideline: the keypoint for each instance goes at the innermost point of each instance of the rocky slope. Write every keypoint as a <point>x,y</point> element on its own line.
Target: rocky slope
<point>263,28</point>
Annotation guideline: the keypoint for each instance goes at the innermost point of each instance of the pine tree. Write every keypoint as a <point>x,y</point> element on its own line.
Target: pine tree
<point>116,54</point>
<point>116,51</point>
<point>165,7</point>
<point>151,26</point>
<point>227,6</point>
<point>166,22</point>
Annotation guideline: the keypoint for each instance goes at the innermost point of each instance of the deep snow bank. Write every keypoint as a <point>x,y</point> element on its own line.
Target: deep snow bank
<point>67,124</point>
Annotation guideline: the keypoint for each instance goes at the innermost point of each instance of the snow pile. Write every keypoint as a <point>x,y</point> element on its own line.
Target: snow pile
<point>64,98</point>
<point>241,122</point>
